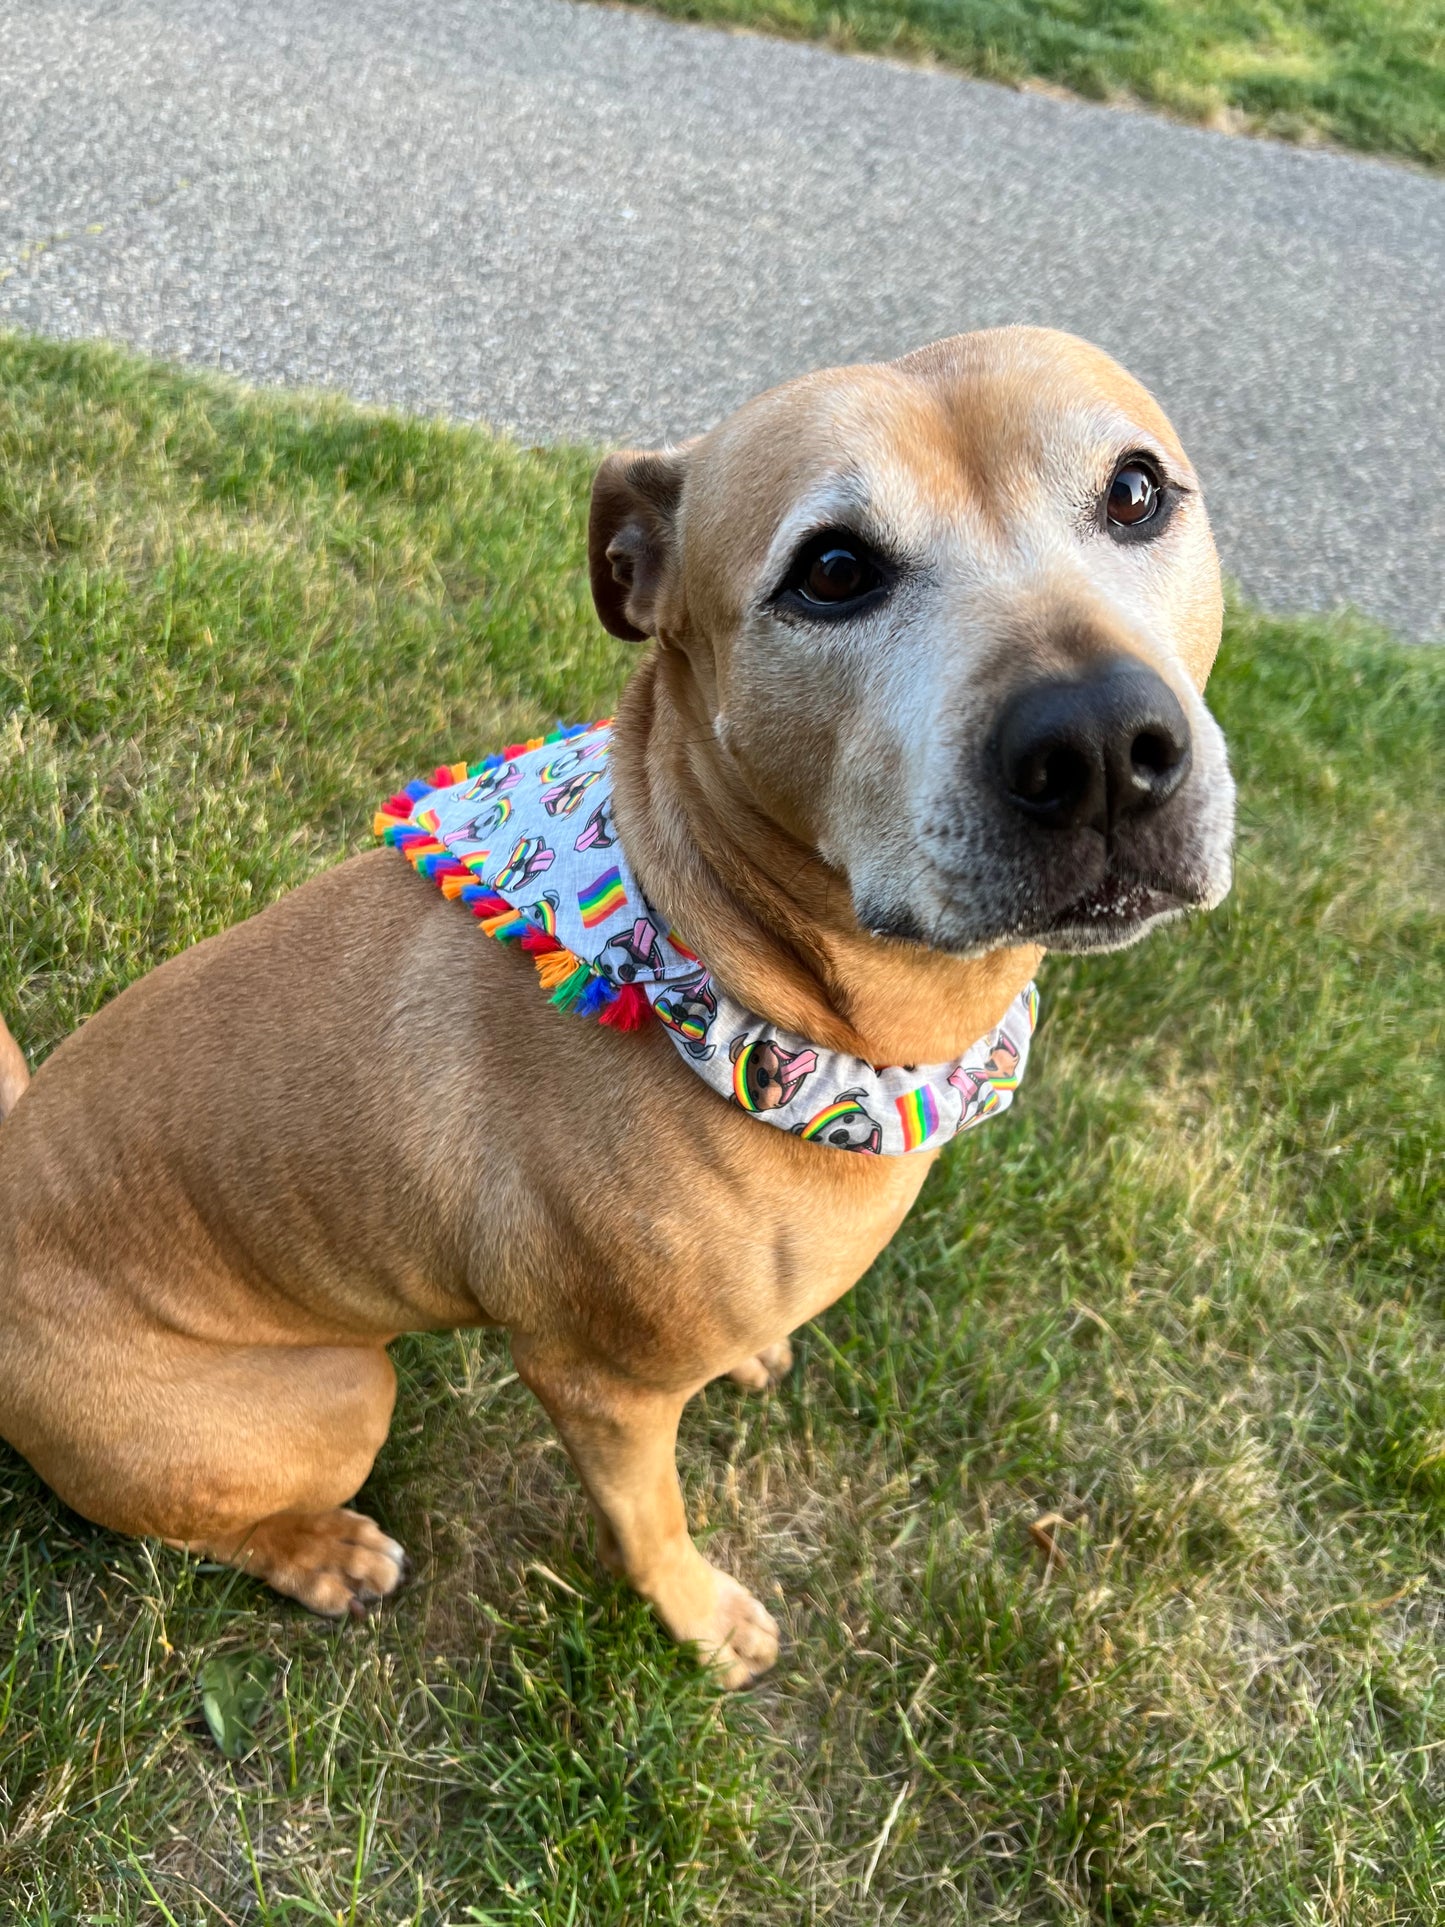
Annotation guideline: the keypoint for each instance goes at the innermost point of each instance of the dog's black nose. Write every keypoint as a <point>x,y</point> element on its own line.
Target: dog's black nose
<point>1083,753</point>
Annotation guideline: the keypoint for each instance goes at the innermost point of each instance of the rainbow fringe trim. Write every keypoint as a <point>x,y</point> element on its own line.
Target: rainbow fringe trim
<point>571,984</point>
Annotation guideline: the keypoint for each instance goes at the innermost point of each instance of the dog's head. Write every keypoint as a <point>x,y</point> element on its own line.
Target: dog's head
<point>950,617</point>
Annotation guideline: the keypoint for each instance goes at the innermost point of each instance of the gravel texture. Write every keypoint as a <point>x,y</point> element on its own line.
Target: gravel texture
<point>574,221</point>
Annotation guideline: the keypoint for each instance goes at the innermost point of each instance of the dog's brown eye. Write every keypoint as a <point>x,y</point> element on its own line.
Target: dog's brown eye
<point>837,575</point>
<point>832,571</point>
<point>1134,494</point>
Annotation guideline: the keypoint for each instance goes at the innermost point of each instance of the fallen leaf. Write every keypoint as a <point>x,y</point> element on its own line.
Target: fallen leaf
<point>233,1691</point>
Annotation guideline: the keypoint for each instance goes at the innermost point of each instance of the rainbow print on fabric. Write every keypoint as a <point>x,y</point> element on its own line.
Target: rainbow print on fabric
<point>918,1114</point>
<point>440,846</point>
<point>527,859</point>
<point>844,1107</point>
<point>602,899</point>
<point>689,1026</point>
<point>740,1081</point>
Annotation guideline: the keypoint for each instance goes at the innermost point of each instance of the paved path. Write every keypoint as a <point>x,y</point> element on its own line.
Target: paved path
<point>574,221</point>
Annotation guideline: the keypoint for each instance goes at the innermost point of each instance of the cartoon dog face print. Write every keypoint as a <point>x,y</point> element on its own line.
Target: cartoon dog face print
<point>505,776</point>
<point>570,757</point>
<point>484,823</point>
<point>626,957</point>
<point>1003,1061</point>
<point>765,1076</point>
<point>845,1124</point>
<point>530,857</point>
<point>597,832</point>
<point>688,1010</point>
<point>564,797</point>
<point>980,1089</point>
<point>542,914</point>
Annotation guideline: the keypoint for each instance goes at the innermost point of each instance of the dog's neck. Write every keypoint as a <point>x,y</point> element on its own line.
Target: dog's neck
<point>772,921</point>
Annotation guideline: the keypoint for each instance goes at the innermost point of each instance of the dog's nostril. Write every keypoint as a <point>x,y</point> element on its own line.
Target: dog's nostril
<point>1153,754</point>
<point>1057,775</point>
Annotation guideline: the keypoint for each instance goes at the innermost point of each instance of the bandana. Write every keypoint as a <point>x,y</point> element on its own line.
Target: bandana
<point>526,841</point>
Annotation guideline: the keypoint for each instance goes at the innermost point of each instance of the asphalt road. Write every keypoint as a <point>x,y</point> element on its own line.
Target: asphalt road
<point>582,222</point>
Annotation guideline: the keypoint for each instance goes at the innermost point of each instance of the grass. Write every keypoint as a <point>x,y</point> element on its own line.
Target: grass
<point>1368,74</point>
<point>1187,1295</point>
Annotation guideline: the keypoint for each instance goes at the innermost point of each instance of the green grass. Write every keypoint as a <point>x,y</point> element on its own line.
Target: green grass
<point>1188,1294</point>
<point>1366,73</point>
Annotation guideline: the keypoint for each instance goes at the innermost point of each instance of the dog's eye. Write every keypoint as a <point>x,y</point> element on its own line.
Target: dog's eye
<point>833,571</point>
<point>837,575</point>
<point>1135,494</point>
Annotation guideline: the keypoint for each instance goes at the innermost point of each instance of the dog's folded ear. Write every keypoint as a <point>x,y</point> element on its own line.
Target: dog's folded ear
<point>632,538</point>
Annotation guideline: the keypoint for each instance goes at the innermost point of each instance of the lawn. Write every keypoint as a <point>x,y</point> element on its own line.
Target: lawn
<point>1365,73</point>
<point>1187,1295</point>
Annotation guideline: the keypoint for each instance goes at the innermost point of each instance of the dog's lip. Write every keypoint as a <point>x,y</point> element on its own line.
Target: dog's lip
<point>1115,901</point>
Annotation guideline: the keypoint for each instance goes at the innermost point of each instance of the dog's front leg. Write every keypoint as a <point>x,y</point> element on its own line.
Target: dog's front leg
<point>622,1438</point>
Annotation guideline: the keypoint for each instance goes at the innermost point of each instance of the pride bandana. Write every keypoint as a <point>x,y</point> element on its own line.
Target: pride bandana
<point>526,841</point>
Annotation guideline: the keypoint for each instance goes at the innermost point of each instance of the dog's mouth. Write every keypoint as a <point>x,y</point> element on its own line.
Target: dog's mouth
<point>988,879</point>
<point>1112,912</point>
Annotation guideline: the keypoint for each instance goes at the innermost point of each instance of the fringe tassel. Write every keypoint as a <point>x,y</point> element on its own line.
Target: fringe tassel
<point>571,984</point>
<point>554,966</point>
<point>506,926</point>
<point>595,999</point>
<point>483,903</point>
<point>629,1009</point>
<point>568,994</point>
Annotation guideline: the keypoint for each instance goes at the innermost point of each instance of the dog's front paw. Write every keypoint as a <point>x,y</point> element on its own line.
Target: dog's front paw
<point>731,1630</point>
<point>764,1369</point>
<point>744,1637</point>
<point>335,1562</point>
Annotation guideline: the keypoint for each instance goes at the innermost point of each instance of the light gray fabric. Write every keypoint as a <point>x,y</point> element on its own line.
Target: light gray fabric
<point>537,829</point>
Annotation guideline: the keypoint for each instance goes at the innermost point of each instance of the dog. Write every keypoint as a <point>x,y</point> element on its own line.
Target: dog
<point>919,698</point>
<point>627,956</point>
<point>688,1009</point>
<point>765,1075</point>
<point>845,1123</point>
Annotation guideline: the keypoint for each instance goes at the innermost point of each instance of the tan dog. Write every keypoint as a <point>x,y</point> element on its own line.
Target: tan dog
<point>923,700</point>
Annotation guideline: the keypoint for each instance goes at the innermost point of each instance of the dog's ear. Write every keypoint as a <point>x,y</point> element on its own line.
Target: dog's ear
<point>632,537</point>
